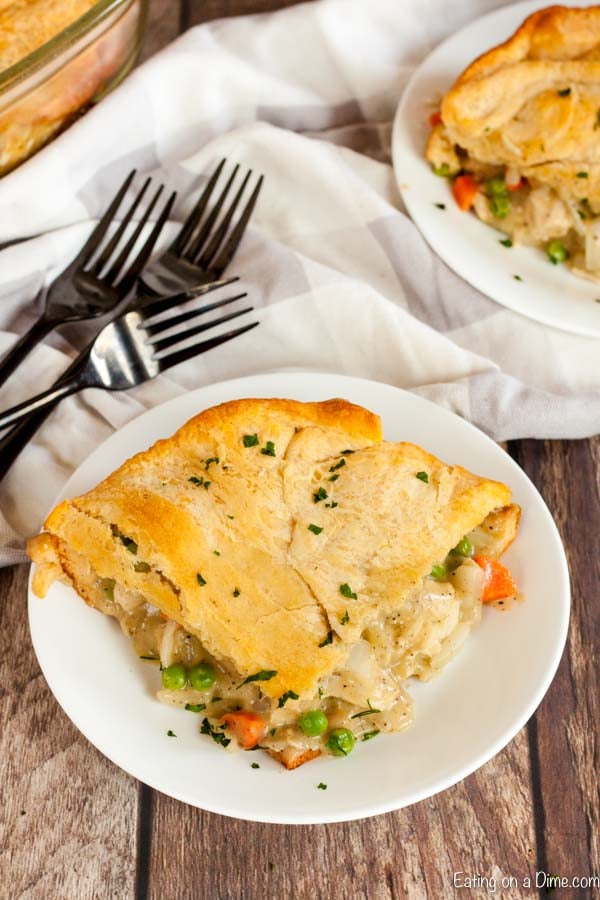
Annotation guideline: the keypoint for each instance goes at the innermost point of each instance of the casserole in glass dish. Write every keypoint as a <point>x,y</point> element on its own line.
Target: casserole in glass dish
<point>56,59</point>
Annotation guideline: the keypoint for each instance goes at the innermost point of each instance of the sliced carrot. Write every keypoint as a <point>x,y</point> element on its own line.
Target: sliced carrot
<point>465,189</point>
<point>498,583</point>
<point>248,728</point>
<point>435,118</point>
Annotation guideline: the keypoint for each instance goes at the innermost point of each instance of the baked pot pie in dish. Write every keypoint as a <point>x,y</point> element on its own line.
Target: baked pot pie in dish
<point>287,568</point>
<point>519,135</point>
<point>56,58</point>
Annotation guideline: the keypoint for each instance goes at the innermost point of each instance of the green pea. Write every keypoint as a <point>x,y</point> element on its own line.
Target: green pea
<point>464,547</point>
<point>174,677</point>
<point>557,252</point>
<point>500,207</point>
<point>202,677</point>
<point>341,742</point>
<point>438,572</point>
<point>313,723</point>
<point>443,171</point>
<point>496,187</point>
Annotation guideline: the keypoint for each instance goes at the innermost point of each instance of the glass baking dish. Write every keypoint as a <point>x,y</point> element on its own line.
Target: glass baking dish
<point>45,91</point>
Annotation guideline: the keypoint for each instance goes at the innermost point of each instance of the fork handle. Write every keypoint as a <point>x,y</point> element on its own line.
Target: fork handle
<point>14,441</point>
<point>46,398</point>
<point>24,346</point>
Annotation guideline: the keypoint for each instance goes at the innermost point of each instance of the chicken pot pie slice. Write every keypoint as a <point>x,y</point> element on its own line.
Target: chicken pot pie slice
<point>288,568</point>
<point>519,134</point>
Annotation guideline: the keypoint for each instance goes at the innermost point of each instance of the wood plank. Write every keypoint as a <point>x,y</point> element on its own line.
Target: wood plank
<point>483,825</point>
<point>568,475</point>
<point>197,11</point>
<point>163,26</point>
<point>67,818</point>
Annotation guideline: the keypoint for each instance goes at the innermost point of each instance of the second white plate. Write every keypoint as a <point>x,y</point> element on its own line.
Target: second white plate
<point>546,293</point>
<point>463,718</point>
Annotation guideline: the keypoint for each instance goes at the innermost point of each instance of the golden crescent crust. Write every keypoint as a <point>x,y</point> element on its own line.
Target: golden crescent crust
<point>534,102</point>
<point>222,531</point>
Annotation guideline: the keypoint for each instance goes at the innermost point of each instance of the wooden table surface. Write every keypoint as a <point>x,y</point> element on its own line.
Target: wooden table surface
<point>74,826</point>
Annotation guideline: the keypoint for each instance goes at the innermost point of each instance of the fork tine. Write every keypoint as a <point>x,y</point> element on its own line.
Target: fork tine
<point>221,231</point>
<point>173,359</point>
<point>129,278</point>
<point>101,228</point>
<point>196,246</point>
<point>154,307</point>
<point>228,251</point>
<point>194,217</point>
<point>163,343</point>
<point>111,246</point>
<point>161,326</point>
<point>111,276</point>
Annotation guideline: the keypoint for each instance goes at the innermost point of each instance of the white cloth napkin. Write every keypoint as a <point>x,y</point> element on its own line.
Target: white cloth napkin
<point>342,279</point>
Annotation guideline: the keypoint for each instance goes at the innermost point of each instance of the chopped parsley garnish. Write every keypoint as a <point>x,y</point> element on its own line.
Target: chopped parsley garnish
<point>216,699</point>
<point>230,517</point>
<point>263,675</point>
<point>201,581</point>
<point>423,476</point>
<point>171,733</point>
<point>366,712</point>
<point>236,592</point>
<point>506,242</point>
<point>517,278</point>
<point>319,495</point>
<point>217,736</point>
<point>346,591</point>
<point>321,786</point>
<point>320,693</point>
<point>153,658</point>
<point>345,618</point>
<point>216,552</point>
<point>271,867</point>
<point>331,505</point>
<point>565,92</point>
<point>339,465</point>
<point>199,482</point>
<point>127,542</point>
<point>195,707</point>
<point>441,205</point>
<point>254,766</point>
<point>268,449</point>
<point>370,734</point>
<point>208,463</point>
<point>583,175</point>
<point>328,639</point>
<point>315,529</point>
<point>289,695</point>
<point>333,477</point>
<point>250,440</point>
<point>347,452</point>
<point>141,567</point>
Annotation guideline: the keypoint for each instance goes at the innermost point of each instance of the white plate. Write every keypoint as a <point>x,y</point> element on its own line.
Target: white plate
<point>462,719</point>
<point>547,293</point>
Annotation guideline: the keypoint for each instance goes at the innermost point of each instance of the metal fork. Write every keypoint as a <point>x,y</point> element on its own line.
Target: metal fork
<point>136,347</point>
<point>87,290</point>
<point>179,269</point>
<point>203,249</point>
